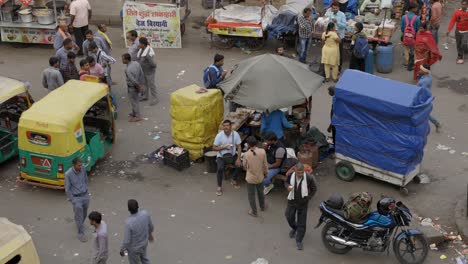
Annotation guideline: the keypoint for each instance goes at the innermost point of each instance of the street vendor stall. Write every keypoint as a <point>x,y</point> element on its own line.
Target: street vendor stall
<point>381,127</point>
<point>268,83</point>
<point>28,21</point>
<point>239,24</point>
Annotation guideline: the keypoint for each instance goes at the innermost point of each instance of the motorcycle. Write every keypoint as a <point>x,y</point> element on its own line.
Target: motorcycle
<point>376,233</point>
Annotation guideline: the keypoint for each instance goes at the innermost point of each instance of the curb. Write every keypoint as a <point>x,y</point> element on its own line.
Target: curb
<point>110,20</point>
<point>461,220</point>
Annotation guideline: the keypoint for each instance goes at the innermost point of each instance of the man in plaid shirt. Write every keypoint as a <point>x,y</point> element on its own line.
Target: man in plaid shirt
<point>69,70</point>
<point>305,22</point>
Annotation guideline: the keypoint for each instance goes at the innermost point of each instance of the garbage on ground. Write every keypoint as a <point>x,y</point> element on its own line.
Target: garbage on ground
<point>443,257</point>
<point>443,147</point>
<point>260,261</point>
<point>433,247</point>
<point>427,222</point>
<point>156,138</point>
<point>228,257</point>
<point>157,155</point>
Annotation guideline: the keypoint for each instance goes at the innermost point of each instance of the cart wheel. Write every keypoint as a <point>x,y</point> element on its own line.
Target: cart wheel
<point>222,42</point>
<point>345,171</point>
<point>404,191</point>
<point>182,29</point>
<point>255,44</point>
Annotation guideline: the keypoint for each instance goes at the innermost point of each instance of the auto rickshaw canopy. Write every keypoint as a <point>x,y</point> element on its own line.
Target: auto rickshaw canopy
<point>14,239</point>
<point>9,88</point>
<point>58,117</point>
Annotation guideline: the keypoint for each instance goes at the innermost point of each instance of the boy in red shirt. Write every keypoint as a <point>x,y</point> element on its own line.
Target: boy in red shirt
<point>460,17</point>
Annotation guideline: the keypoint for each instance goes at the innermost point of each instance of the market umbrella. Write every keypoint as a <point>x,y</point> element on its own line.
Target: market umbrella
<point>270,82</point>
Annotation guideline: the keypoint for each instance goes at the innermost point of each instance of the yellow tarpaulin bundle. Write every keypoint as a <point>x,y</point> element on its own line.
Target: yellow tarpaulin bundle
<point>196,118</point>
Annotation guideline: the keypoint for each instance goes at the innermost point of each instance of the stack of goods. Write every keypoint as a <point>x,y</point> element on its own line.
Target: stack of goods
<point>176,157</point>
<point>381,122</point>
<point>238,118</point>
<point>195,118</point>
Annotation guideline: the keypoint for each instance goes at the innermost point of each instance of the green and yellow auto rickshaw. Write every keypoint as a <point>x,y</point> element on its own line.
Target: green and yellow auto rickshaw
<point>75,120</point>
<point>14,100</point>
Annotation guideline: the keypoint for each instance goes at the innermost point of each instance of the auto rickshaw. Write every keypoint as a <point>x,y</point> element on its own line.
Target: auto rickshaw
<point>75,120</point>
<point>14,99</point>
<point>16,245</point>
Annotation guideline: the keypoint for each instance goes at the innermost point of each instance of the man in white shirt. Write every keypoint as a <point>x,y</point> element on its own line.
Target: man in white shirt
<point>80,12</point>
<point>226,143</point>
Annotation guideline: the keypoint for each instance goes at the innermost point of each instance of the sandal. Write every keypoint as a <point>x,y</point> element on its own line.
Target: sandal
<point>235,184</point>
<point>460,61</point>
<point>219,192</point>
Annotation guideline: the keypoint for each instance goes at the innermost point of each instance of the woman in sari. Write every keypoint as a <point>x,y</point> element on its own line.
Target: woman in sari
<point>425,49</point>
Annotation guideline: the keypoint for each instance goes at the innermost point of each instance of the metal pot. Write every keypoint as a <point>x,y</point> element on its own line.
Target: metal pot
<point>45,16</point>
<point>25,15</point>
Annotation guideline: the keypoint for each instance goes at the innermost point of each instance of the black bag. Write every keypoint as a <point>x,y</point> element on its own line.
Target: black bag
<point>288,164</point>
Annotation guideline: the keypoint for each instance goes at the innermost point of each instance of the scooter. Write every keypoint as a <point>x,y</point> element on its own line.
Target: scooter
<point>388,225</point>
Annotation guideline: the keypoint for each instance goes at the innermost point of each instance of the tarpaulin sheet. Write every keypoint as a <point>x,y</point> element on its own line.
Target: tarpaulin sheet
<point>195,118</point>
<point>381,122</point>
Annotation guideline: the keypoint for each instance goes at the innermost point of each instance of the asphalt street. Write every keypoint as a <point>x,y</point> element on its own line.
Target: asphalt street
<point>193,225</point>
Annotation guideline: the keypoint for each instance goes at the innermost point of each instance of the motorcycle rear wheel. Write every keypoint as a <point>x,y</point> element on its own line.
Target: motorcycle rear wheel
<point>333,229</point>
<point>404,252</point>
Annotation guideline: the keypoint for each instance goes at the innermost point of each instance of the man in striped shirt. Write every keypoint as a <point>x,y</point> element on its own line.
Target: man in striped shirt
<point>103,59</point>
<point>138,231</point>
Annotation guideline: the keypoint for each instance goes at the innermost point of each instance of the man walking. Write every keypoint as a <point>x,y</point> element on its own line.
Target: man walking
<point>460,18</point>
<point>132,37</point>
<point>425,81</point>
<point>138,231</point>
<point>305,33</point>
<point>256,167</point>
<point>135,80</point>
<point>101,239</point>
<point>214,73</point>
<point>434,22</point>
<point>145,57</point>
<point>76,188</point>
<point>228,145</point>
<point>409,27</point>
<point>301,188</point>
<point>51,77</point>
<point>80,12</point>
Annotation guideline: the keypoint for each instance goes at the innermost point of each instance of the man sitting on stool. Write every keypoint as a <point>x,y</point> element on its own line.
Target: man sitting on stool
<point>276,154</point>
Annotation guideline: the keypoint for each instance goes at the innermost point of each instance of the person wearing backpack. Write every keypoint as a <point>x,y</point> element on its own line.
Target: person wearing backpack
<point>360,49</point>
<point>409,27</point>
<point>214,73</point>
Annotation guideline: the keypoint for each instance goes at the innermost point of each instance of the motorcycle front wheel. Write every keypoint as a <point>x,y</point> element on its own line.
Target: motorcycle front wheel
<point>411,250</point>
<point>332,229</point>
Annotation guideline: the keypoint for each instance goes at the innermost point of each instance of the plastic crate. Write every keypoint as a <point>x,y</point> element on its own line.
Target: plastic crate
<point>180,162</point>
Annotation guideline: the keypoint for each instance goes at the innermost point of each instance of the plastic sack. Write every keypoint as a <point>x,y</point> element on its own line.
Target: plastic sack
<point>195,118</point>
<point>386,4</point>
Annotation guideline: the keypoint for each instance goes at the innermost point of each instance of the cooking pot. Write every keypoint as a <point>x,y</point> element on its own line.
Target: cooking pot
<point>44,16</point>
<point>25,15</point>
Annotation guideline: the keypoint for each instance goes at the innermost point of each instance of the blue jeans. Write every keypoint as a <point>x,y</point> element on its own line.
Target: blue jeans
<point>271,173</point>
<point>434,121</point>
<point>435,33</point>
<point>303,48</point>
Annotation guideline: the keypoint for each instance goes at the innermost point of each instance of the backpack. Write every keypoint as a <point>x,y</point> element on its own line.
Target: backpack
<point>409,34</point>
<point>361,47</point>
<point>357,207</point>
<point>206,75</point>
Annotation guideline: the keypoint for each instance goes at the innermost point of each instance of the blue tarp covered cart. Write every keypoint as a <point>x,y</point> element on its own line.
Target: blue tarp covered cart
<point>381,127</point>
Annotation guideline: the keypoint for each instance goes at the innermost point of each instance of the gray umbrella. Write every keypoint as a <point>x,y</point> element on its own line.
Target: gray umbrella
<point>270,82</point>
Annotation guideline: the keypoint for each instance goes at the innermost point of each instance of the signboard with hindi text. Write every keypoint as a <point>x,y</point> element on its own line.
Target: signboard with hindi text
<point>159,23</point>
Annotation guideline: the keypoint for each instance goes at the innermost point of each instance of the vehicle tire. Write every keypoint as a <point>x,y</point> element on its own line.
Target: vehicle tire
<point>404,252</point>
<point>222,42</point>
<point>255,44</point>
<point>329,229</point>
<point>345,171</point>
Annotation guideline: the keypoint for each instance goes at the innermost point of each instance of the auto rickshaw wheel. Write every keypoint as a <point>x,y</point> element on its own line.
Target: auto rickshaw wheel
<point>182,29</point>
<point>345,171</point>
<point>222,42</point>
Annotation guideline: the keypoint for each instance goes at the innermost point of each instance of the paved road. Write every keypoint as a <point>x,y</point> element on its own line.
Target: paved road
<point>204,231</point>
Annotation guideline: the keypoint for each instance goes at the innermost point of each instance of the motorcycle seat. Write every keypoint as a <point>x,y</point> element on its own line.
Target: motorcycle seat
<point>339,212</point>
